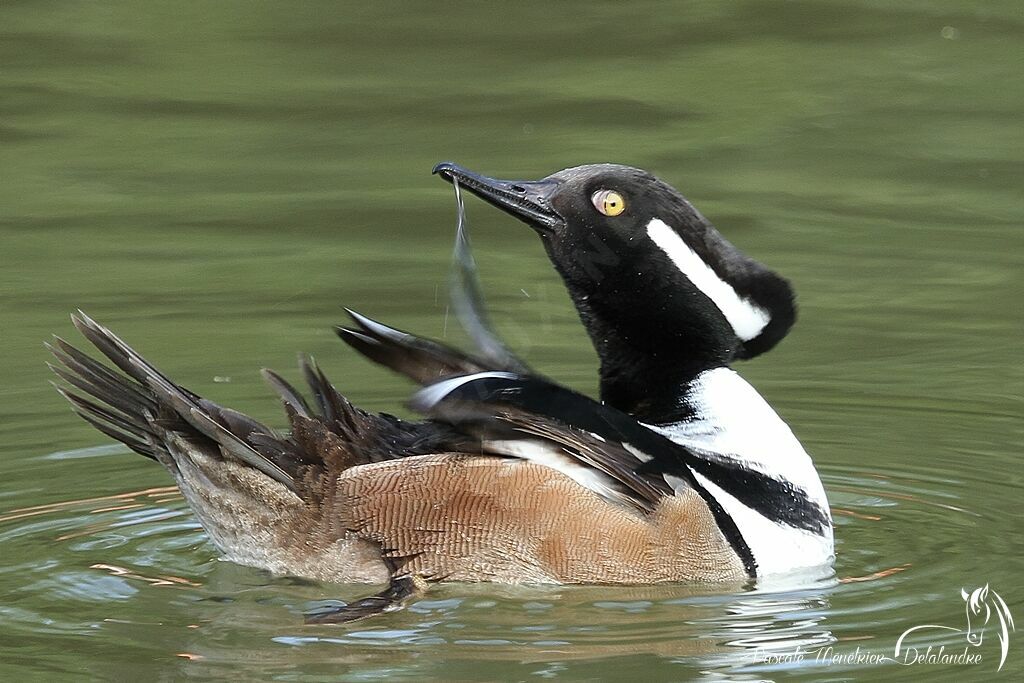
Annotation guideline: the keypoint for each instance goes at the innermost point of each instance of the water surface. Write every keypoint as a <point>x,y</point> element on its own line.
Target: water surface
<point>215,180</point>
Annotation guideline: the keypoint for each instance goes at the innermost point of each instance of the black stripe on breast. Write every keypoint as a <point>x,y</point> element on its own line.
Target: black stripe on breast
<point>727,525</point>
<point>776,500</point>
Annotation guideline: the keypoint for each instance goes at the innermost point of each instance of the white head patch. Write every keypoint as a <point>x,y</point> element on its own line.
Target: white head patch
<point>747,318</point>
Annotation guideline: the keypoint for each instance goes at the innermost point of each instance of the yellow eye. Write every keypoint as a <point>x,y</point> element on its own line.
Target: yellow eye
<point>608,202</point>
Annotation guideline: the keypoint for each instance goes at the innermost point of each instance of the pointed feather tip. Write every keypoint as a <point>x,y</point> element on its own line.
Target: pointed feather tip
<point>58,346</point>
<point>291,398</point>
<point>351,337</point>
<point>308,365</point>
<point>90,329</point>
<point>372,327</point>
<point>276,381</point>
<point>77,321</point>
<point>81,319</point>
<point>74,399</point>
<point>357,318</point>
<point>272,378</point>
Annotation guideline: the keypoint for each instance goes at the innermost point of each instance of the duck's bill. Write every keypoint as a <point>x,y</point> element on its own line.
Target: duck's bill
<point>527,200</point>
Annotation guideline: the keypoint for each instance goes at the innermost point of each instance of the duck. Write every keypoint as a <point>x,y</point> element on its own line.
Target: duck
<point>678,472</point>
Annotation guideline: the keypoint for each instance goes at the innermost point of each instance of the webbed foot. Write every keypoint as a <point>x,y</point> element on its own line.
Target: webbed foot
<point>394,597</point>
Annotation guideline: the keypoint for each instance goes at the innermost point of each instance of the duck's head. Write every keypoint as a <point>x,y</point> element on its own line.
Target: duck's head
<point>662,294</point>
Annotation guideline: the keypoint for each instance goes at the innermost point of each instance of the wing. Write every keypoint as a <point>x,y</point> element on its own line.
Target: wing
<point>529,417</point>
<point>638,461</point>
<point>468,300</point>
<point>422,360</point>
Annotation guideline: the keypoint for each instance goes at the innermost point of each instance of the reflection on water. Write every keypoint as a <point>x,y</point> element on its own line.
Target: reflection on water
<point>759,630</point>
<point>123,547</point>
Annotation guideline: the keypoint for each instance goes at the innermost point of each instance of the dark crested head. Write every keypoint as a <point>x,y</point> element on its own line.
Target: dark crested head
<point>658,288</point>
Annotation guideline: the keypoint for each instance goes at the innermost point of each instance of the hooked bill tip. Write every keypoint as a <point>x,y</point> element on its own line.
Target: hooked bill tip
<point>445,170</point>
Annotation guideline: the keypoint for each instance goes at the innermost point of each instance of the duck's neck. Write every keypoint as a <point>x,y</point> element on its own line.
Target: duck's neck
<point>654,334</point>
<point>646,373</point>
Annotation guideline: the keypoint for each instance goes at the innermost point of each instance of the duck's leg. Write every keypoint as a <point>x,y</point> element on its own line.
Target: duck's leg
<point>401,589</point>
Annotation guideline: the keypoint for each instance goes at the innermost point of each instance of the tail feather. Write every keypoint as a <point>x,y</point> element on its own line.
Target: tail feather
<point>97,379</point>
<point>333,406</point>
<point>154,416</point>
<point>131,442</point>
<point>292,399</point>
<point>110,424</point>
<point>124,357</point>
<point>131,409</point>
<point>124,418</point>
<point>113,418</point>
<point>113,397</point>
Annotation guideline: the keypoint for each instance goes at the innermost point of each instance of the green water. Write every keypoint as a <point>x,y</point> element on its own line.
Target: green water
<point>214,180</point>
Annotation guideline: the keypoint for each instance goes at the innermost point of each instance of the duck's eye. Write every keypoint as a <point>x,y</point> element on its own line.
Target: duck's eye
<point>608,202</point>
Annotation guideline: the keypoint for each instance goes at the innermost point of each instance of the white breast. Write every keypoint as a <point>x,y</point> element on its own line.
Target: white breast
<point>734,423</point>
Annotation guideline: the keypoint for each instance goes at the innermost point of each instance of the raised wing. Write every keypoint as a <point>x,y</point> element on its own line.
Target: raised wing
<point>468,300</point>
<point>422,360</point>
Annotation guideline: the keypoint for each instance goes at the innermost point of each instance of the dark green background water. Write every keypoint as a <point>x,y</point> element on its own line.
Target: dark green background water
<point>214,180</point>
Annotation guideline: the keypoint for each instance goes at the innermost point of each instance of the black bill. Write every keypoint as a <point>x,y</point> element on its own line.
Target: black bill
<point>527,200</point>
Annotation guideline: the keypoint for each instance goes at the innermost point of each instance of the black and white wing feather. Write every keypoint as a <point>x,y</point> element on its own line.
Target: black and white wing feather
<point>422,360</point>
<point>640,461</point>
<point>530,417</point>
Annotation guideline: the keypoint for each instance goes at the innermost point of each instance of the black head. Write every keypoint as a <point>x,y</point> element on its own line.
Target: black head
<point>663,295</point>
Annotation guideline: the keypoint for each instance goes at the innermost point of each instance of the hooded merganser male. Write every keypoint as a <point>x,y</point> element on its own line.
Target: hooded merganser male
<point>682,472</point>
